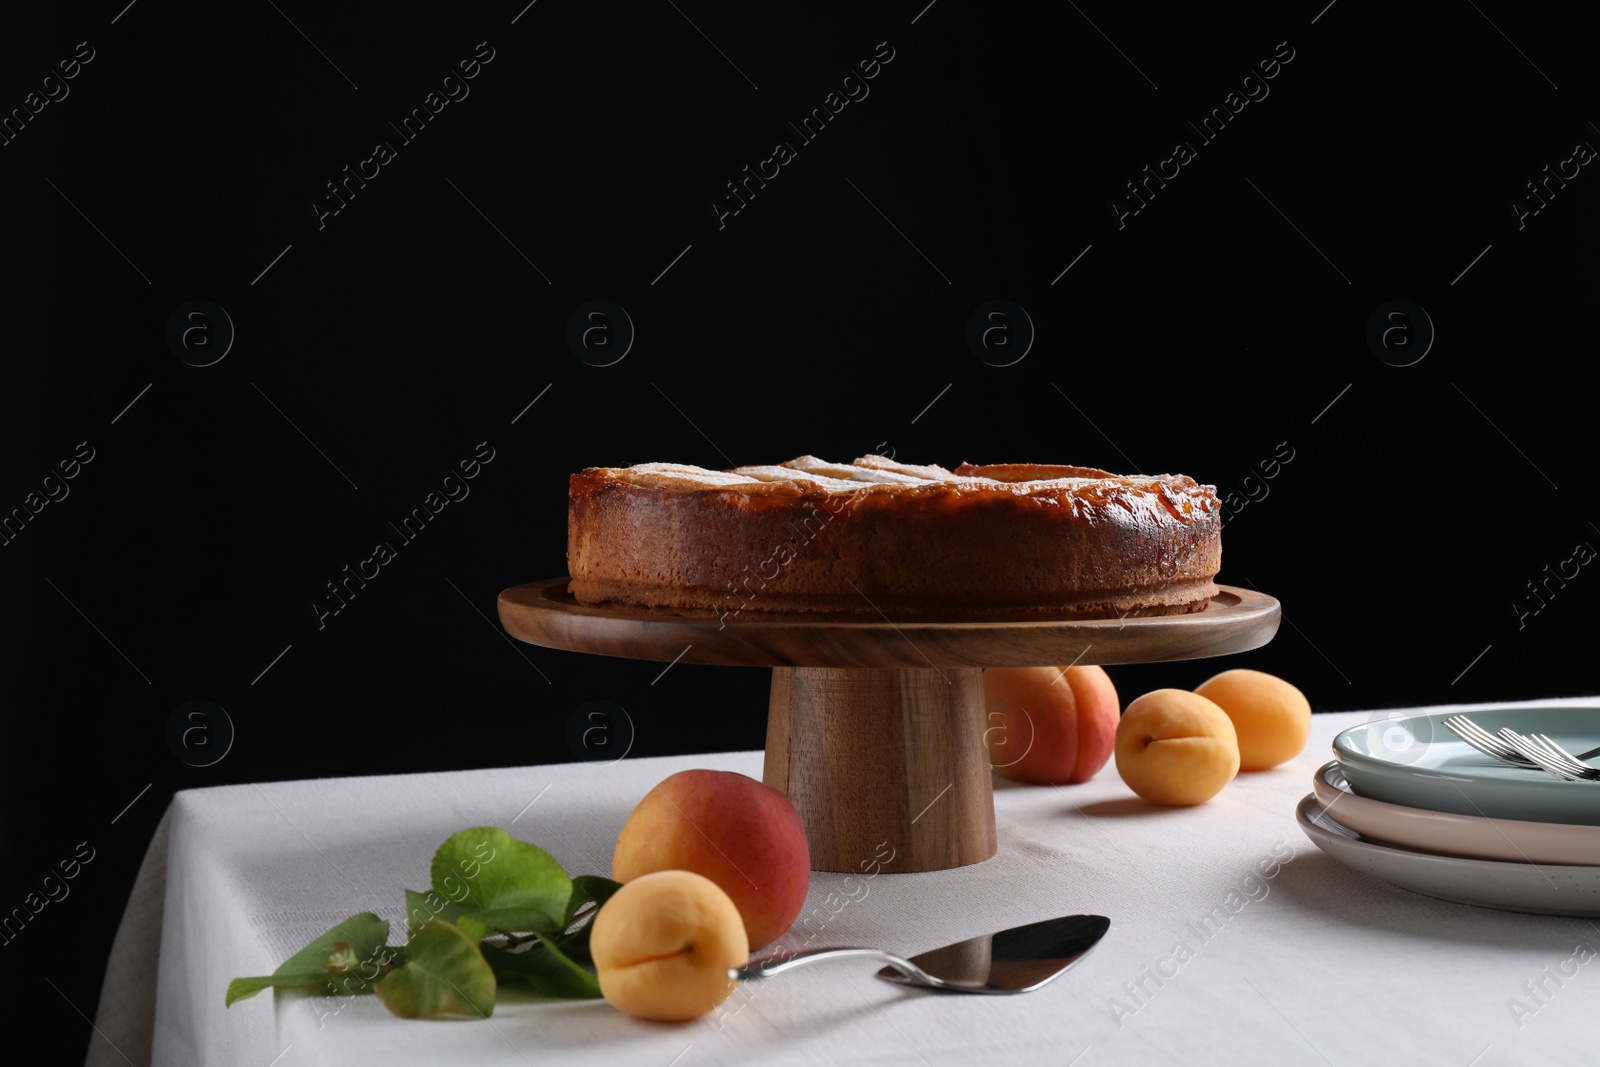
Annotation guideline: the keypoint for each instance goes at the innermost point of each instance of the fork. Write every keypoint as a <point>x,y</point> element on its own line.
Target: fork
<point>1487,743</point>
<point>1490,745</point>
<point>1551,756</point>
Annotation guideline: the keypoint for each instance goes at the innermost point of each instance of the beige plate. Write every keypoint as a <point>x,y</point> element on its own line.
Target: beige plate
<point>1470,836</point>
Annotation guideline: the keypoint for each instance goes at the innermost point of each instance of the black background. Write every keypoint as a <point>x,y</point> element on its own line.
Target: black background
<point>829,316</point>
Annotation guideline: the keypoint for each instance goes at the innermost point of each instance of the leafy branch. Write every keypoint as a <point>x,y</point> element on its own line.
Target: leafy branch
<point>498,910</point>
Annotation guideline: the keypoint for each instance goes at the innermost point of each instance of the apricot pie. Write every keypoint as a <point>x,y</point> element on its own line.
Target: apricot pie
<point>879,538</point>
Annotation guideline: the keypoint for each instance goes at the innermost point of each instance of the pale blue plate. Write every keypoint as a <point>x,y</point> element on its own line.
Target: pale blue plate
<point>1416,761</point>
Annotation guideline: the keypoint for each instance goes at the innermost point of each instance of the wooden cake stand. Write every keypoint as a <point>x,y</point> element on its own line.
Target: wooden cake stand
<point>875,729</point>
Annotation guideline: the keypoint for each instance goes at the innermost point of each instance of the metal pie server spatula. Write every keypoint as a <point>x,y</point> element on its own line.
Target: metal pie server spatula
<point>1017,960</point>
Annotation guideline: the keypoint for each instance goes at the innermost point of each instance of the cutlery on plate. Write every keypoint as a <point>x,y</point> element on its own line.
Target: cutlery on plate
<point>1500,749</point>
<point>1551,756</point>
<point>1017,960</point>
<point>1487,743</point>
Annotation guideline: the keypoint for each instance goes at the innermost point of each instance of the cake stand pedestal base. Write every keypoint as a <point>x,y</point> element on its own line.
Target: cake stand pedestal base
<point>883,763</point>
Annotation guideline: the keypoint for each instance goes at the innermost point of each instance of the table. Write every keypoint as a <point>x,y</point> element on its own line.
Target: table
<point>1233,939</point>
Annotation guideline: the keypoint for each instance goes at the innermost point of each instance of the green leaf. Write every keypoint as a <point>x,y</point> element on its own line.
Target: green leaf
<point>365,933</point>
<point>444,976</point>
<point>420,907</point>
<point>505,883</point>
<point>545,968</point>
<point>474,926</point>
<point>354,948</point>
<point>245,988</point>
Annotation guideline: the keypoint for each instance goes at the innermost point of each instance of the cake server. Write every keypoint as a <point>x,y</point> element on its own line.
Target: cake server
<point>1017,960</point>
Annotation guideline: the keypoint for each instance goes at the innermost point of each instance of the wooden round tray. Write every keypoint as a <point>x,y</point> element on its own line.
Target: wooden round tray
<point>875,728</point>
<point>544,613</point>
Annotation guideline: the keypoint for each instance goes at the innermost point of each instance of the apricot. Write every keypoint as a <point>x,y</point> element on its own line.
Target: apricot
<point>742,834</point>
<point>663,944</point>
<point>1176,747</point>
<point>1049,725</point>
<point>1271,717</point>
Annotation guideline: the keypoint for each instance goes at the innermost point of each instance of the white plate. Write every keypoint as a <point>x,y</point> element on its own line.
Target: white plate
<point>1543,889</point>
<point>1472,836</point>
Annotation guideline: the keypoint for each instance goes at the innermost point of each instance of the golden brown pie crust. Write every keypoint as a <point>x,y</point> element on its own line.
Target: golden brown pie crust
<point>881,539</point>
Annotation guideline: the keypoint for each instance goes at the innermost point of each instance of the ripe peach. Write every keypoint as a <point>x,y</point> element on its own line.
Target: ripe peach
<point>1271,717</point>
<point>742,834</point>
<point>1049,725</point>
<point>663,944</point>
<point>1176,747</point>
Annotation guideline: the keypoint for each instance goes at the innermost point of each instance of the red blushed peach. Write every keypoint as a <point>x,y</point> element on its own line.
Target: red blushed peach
<point>742,834</point>
<point>1049,725</point>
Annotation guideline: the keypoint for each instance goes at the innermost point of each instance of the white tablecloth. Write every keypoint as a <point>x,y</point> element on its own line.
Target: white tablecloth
<point>1316,964</point>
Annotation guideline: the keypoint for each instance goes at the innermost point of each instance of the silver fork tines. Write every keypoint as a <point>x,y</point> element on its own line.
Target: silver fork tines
<point>1487,743</point>
<point>1549,755</point>
<point>1565,759</point>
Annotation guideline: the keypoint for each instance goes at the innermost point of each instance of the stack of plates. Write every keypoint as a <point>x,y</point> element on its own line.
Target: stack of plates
<point>1411,803</point>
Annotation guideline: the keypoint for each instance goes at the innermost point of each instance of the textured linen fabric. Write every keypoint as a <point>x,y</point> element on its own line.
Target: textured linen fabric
<point>1233,939</point>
